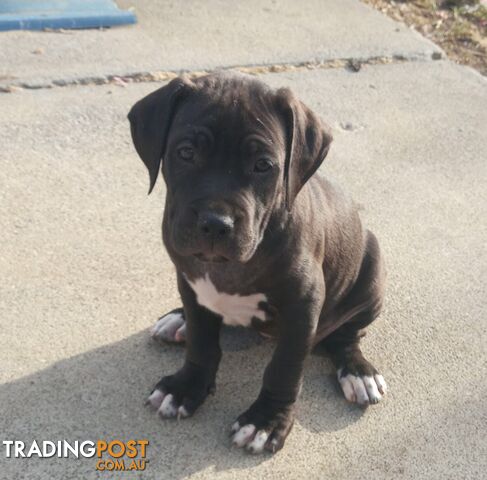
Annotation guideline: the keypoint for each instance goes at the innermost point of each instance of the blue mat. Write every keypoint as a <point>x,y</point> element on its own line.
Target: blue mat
<point>55,14</point>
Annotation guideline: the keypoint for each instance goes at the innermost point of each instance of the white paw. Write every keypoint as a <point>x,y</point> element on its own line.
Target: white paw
<point>252,439</point>
<point>170,327</point>
<point>242,435</point>
<point>363,390</point>
<point>258,443</point>
<point>166,406</point>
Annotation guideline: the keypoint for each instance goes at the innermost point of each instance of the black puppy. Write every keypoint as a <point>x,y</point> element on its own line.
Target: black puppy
<point>258,238</point>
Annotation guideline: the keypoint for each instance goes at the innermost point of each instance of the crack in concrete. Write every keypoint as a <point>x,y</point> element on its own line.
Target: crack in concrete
<point>352,64</point>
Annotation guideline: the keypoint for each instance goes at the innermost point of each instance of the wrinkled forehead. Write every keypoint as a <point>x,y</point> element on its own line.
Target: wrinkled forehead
<point>230,117</point>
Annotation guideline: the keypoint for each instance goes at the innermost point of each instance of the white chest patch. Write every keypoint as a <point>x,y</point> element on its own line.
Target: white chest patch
<point>235,309</point>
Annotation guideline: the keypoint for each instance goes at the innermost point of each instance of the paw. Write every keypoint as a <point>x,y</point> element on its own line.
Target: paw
<point>166,405</point>
<point>170,327</point>
<point>363,389</point>
<point>262,429</point>
<point>179,395</point>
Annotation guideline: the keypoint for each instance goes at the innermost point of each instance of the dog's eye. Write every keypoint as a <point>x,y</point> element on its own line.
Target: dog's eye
<point>186,153</point>
<point>262,165</point>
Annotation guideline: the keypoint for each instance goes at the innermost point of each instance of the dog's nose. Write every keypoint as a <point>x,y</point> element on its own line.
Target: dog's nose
<point>214,225</point>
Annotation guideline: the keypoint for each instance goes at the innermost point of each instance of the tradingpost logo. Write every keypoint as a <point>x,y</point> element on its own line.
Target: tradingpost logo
<point>111,455</point>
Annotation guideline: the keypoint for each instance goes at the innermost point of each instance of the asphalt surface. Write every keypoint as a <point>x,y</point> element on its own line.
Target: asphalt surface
<point>84,274</point>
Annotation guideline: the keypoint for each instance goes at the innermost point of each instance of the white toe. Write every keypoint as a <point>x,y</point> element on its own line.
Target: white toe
<point>155,398</point>
<point>372,390</point>
<point>168,407</point>
<point>274,445</point>
<point>243,435</point>
<point>182,412</point>
<point>360,390</point>
<point>347,387</point>
<point>180,334</point>
<point>381,383</point>
<point>159,325</point>
<point>258,443</point>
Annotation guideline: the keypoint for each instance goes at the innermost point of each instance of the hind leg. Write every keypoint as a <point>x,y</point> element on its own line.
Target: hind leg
<point>359,379</point>
<point>171,327</point>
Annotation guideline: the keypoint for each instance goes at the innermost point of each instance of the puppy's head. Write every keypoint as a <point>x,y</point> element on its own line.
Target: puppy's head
<point>233,151</point>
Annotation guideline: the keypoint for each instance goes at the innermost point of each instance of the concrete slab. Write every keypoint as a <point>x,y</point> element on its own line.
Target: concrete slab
<point>84,276</point>
<point>208,35</point>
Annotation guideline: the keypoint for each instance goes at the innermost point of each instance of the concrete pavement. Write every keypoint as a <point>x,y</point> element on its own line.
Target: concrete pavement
<point>208,35</point>
<point>84,276</point>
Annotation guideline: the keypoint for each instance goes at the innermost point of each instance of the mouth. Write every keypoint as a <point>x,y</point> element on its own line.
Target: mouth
<point>210,258</point>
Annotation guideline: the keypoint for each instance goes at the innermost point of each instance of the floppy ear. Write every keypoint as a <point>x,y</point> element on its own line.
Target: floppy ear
<point>150,120</point>
<point>308,142</point>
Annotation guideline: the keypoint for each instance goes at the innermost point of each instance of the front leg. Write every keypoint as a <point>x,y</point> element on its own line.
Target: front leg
<point>267,423</point>
<point>180,394</point>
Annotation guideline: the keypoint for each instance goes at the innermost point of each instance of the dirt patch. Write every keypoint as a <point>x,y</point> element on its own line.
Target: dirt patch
<point>457,26</point>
